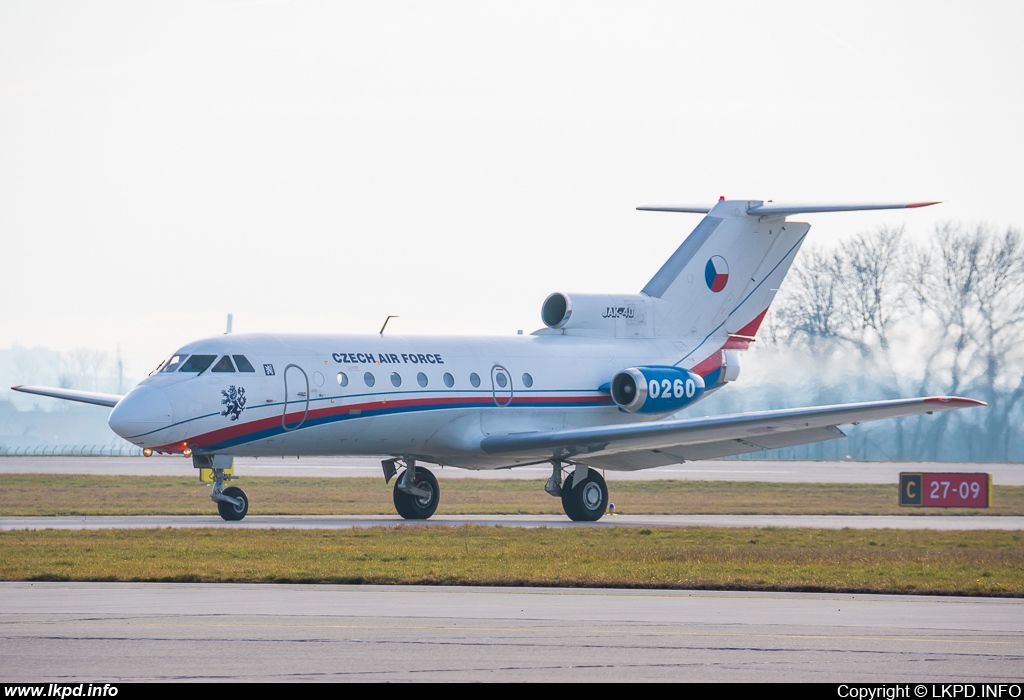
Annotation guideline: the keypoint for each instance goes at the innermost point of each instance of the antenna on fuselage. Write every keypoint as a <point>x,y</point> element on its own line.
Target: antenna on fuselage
<point>230,318</point>
<point>386,324</point>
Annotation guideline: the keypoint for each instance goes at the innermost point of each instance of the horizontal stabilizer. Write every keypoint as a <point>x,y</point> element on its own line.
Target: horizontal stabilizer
<point>684,210</point>
<point>773,209</point>
<point>108,400</point>
<point>770,208</point>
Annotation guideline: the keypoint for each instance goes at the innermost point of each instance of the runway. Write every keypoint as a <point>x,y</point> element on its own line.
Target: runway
<point>71,632</point>
<point>344,522</point>
<point>842,472</point>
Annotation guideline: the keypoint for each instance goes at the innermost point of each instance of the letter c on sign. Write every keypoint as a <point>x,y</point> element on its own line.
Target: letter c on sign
<point>910,490</point>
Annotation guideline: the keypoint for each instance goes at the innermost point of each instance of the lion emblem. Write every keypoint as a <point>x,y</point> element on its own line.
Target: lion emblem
<point>233,401</point>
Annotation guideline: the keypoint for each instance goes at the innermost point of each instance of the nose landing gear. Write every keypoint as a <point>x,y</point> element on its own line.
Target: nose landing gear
<point>232,503</point>
<point>416,493</point>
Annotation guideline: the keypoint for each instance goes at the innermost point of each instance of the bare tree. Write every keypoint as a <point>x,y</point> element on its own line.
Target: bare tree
<point>811,309</point>
<point>875,281</point>
<point>946,317</point>
<point>999,305</point>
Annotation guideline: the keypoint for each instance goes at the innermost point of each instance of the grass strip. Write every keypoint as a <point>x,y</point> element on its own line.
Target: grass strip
<point>39,494</point>
<point>989,563</point>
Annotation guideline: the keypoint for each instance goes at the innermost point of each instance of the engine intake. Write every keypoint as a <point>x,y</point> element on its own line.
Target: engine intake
<point>600,315</point>
<point>656,389</point>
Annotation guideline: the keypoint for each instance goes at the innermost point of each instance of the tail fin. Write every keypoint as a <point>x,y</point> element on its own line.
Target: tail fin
<point>722,278</point>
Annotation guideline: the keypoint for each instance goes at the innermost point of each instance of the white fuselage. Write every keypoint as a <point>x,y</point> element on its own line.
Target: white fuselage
<point>432,398</point>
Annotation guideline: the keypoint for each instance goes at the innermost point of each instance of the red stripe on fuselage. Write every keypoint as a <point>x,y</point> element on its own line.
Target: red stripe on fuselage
<point>232,432</point>
<point>709,365</point>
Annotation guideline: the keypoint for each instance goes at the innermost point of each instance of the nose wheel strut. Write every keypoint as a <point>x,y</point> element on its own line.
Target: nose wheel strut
<point>416,493</point>
<point>232,503</point>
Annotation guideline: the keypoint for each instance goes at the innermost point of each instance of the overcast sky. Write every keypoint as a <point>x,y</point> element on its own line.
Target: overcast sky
<point>316,166</point>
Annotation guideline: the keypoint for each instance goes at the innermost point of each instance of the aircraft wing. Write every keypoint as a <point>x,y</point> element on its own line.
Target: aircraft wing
<point>108,400</point>
<point>654,444</point>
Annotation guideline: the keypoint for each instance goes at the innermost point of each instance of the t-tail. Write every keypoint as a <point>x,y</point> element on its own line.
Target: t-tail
<point>715,289</point>
<point>722,279</point>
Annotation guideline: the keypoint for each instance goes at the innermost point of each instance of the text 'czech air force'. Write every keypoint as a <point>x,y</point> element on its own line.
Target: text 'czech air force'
<point>384,358</point>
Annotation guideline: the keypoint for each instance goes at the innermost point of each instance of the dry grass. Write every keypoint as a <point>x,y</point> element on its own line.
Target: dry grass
<point>31,494</point>
<point>879,561</point>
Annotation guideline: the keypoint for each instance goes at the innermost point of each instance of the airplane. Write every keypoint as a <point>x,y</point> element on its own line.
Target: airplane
<point>597,388</point>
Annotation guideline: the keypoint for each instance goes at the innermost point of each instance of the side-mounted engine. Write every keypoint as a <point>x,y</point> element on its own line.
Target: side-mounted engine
<point>656,389</point>
<point>600,315</point>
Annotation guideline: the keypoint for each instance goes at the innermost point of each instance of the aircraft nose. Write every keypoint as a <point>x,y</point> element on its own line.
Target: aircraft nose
<point>143,410</point>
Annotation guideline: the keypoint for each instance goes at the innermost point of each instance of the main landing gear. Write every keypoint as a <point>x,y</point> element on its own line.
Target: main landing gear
<point>232,503</point>
<point>416,493</point>
<point>584,494</point>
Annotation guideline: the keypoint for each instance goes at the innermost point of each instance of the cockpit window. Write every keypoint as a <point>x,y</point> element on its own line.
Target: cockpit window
<point>197,363</point>
<point>243,364</point>
<point>172,364</point>
<point>223,365</point>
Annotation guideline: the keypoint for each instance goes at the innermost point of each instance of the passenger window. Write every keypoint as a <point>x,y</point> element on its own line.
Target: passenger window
<point>449,380</point>
<point>223,365</point>
<point>368,378</point>
<point>198,363</point>
<point>243,364</point>
<point>474,379</point>
<point>174,363</point>
<point>342,379</point>
<point>396,379</point>
<point>421,379</point>
<point>527,380</point>
<point>501,379</point>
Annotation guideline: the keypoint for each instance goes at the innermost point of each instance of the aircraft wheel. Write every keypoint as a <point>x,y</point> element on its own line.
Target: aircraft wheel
<point>413,507</point>
<point>229,511</point>
<point>568,503</point>
<point>587,501</point>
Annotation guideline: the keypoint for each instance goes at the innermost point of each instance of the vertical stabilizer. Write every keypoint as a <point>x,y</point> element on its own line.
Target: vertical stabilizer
<point>723,277</point>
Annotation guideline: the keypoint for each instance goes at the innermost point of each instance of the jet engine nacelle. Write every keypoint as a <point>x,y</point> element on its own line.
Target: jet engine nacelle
<point>656,389</point>
<point>601,315</point>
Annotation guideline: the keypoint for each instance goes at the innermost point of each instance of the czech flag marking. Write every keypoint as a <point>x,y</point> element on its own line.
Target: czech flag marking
<point>716,273</point>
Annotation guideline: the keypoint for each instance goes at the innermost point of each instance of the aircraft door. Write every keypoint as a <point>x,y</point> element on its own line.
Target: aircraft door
<point>501,385</point>
<point>296,398</point>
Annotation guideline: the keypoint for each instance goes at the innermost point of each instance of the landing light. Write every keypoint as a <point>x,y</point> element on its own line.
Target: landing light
<point>187,452</point>
<point>148,452</point>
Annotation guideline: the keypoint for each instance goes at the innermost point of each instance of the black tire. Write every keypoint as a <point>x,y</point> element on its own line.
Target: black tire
<point>568,504</point>
<point>229,511</point>
<point>586,501</point>
<point>417,507</point>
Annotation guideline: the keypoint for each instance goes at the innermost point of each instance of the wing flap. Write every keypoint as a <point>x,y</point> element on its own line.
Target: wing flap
<point>649,444</point>
<point>95,398</point>
<point>629,461</point>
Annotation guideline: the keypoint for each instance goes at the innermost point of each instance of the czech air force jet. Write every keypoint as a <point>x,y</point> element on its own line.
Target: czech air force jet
<point>596,388</point>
